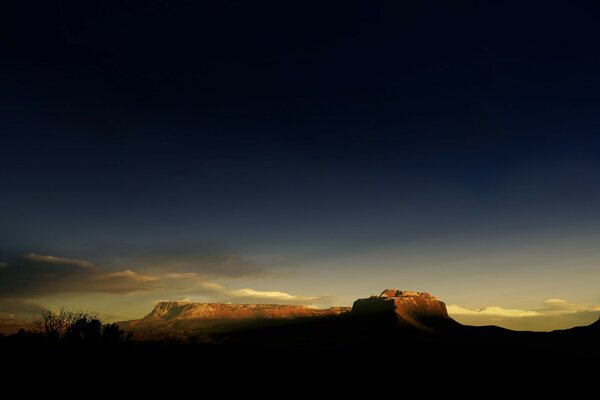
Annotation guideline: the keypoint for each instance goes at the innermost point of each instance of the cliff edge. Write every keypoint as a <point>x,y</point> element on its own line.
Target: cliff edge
<point>418,310</point>
<point>170,310</point>
<point>186,316</point>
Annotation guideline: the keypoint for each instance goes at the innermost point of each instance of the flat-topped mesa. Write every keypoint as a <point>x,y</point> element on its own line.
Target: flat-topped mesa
<point>410,309</point>
<point>174,310</point>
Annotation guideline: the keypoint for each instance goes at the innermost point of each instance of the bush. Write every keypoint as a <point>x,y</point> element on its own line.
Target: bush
<point>63,326</point>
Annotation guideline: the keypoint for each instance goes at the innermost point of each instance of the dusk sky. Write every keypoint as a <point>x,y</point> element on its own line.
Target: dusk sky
<point>287,152</point>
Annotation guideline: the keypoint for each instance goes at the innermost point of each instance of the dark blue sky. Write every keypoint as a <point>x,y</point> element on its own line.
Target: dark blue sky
<point>292,133</point>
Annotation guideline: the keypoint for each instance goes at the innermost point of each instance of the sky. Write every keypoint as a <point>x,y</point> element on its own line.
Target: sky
<point>290,152</point>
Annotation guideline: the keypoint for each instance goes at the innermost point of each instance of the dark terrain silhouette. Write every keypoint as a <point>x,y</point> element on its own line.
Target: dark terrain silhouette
<point>398,337</point>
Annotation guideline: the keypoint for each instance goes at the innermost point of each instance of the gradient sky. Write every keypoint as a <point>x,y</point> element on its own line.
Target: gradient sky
<point>285,152</point>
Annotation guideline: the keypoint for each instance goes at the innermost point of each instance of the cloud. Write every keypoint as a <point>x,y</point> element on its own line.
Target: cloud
<point>491,311</point>
<point>219,293</point>
<point>251,295</point>
<point>550,307</point>
<point>554,313</point>
<point>20,309</point>
<point>34,275</point>
<point>32,257</point>
<point>559,306</point>
<point>216,263</point>
<point>268,295</point>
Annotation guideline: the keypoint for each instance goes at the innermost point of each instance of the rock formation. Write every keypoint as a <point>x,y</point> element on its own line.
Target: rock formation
<point>404,309</point>
<point>183,310</point>
<point>410,309</point>
<point>189,316</point>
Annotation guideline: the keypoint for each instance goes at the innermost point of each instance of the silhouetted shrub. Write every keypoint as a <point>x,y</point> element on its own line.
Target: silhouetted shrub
<point>63,326</point>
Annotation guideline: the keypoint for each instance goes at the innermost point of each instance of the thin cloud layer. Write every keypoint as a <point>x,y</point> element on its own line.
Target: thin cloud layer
<point>32,257</point>
<point>247,295</point>
<point>550,307</point>
<point>20,309</point>
<point>34,275</point>
<point>552,314</point>
<point>193,285</point>
<point>216,263</point>
<point>492,311</point>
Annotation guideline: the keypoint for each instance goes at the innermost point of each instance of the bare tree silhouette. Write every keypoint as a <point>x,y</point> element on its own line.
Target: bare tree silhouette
<point>78,327</point>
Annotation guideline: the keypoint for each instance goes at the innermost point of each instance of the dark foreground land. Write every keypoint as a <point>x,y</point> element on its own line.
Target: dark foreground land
<point>393,344</point>
<point>345,351</point>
